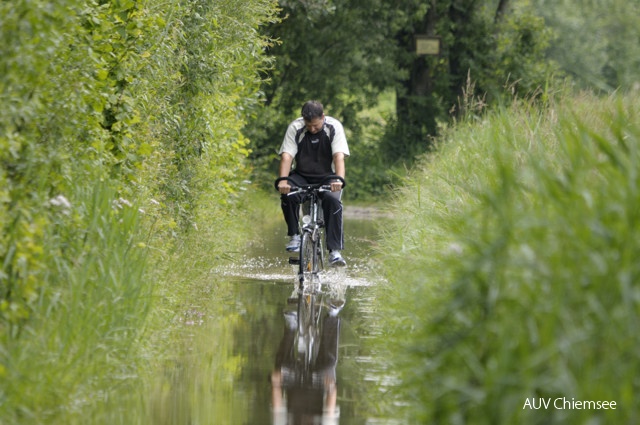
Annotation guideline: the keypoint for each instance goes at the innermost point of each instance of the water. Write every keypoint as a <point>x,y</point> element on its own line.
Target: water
<point>231,350</point>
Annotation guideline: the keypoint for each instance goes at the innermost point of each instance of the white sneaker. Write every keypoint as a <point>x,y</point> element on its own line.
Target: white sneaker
<point>291,320</point>
<point>294,243</point>
<point>335,259</point>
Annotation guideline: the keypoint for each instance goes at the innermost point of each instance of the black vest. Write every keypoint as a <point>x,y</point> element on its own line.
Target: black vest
<point>314,157</point>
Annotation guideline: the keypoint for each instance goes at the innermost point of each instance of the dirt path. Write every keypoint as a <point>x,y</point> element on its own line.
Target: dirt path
<point>364,212</point>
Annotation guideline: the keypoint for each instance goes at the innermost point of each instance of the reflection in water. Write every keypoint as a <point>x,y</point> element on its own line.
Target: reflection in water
<point>232,355</point>
<point>303,382</point>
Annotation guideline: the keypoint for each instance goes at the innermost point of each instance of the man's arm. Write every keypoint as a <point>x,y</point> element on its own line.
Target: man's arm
<point>338,162</point>
<point>285,166</point>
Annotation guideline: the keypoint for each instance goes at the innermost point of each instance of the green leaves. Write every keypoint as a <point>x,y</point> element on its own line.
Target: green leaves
<point>93,90</point>
<point>108,104</point>
<point>608,30</point>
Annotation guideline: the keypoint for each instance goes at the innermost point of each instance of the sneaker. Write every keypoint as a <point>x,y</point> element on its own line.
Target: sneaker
<point>335,259</point>
<point>294,243</point>
<point>291,320</point>
<point>334,307</point>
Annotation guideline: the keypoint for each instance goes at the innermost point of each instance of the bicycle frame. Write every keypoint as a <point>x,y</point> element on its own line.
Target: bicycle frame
<point>312,226</point>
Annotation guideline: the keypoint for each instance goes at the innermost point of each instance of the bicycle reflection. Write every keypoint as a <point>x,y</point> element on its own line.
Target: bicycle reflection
<point>304,387</point>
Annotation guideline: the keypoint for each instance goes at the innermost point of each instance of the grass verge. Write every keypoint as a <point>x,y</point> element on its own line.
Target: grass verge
<point>513,267</point>
<point>89,313</point>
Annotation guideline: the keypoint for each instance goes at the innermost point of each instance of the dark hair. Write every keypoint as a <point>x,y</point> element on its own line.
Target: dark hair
<point>312,110</point>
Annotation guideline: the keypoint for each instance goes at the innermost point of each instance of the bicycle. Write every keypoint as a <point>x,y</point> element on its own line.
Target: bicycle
<point>311,228</point>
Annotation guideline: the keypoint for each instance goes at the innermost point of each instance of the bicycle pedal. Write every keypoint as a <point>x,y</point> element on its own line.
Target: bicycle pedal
<point>294,260</point>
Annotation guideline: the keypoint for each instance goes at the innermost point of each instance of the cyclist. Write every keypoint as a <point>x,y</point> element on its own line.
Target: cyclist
<point>318,146</point>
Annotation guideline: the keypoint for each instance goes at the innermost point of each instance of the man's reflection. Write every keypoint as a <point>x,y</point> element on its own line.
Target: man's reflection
<point>302,396</point>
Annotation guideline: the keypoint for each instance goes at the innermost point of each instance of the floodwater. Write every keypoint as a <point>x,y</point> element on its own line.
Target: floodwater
<point>237,363</point>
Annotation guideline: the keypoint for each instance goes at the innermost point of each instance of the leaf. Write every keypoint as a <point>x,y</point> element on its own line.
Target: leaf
<point>102,74</point>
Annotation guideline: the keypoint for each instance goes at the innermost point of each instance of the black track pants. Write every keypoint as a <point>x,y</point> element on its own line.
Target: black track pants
<point>332,210</point>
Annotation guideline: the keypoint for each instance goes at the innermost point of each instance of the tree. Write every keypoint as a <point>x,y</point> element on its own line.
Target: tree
<point>596,41</point>
<point>346,52</point>
<point>489,43</point>
<point>338,52</point>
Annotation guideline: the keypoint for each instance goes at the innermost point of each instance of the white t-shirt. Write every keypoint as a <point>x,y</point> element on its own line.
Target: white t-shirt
<point>296,131</point>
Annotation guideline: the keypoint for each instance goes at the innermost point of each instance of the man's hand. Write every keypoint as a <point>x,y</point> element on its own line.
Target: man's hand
<point>336,186</point>
<point>284,187</point>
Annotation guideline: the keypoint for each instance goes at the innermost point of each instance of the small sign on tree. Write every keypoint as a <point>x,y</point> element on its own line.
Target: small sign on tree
<point>427,45</point>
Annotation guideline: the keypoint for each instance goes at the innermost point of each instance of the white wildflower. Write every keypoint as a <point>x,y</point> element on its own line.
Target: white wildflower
<point>120,202</point>
<point>61,202</point>
<point>123,201</point>
<point>455,248</point>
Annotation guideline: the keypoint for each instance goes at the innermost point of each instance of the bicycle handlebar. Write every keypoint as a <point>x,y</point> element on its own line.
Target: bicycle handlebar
<point>321,185</point>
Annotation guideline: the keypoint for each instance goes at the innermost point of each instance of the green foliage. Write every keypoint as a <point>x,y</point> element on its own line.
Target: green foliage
<point>119,90</point>
<point>369,174</point>
<point>512,268</point>
<point>68,118</point>
<point>136,102</point>
<point>197,95</point>
<point>496,55</point>
<point>346,53</point>
<point>517,57</point>
<point>596,41</point>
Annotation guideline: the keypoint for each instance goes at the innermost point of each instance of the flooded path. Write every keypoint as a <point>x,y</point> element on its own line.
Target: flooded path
<point>232,349</point>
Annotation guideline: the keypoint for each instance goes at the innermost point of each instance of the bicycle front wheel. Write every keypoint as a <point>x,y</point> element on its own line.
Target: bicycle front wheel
<point>308,258</point>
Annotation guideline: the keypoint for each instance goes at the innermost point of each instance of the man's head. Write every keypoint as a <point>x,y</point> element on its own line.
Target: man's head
<point>313,115</point>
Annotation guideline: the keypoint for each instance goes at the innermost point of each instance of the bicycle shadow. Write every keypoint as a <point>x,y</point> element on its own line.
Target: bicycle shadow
<point>304,381</point>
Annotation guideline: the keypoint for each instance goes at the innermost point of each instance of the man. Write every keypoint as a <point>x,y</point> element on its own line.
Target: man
<point>318,145</point>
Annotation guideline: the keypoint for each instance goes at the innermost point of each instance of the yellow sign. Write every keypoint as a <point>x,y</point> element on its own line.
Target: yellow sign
<point>427,45</point>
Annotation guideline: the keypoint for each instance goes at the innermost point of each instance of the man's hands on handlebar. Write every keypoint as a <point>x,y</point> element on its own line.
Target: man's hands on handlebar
<point>284,187</point>
<point>283,184</point>
<point>336,186</point>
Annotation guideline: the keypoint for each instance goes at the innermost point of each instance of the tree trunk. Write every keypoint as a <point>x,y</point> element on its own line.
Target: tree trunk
<point>416,120</point>
<point>501,10</point>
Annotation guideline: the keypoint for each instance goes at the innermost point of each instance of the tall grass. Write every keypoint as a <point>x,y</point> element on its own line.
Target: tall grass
<point>186,353</point>
<point>513,267</point>
<point>92,306</point>
<point>110,333</point>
